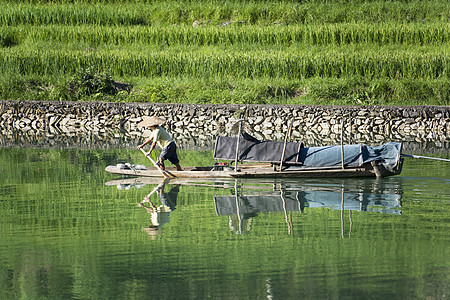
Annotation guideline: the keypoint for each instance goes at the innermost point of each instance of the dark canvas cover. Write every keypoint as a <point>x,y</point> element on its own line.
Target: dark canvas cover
<point>253,150</point>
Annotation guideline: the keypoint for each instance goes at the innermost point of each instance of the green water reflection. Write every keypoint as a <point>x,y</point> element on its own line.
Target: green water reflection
<point>69,230</point>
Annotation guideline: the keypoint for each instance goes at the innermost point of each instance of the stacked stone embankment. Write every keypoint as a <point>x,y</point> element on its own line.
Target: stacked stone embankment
<point>116,123</point>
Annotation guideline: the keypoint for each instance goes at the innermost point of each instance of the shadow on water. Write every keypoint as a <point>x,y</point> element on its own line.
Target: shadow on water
<point>247,199</point>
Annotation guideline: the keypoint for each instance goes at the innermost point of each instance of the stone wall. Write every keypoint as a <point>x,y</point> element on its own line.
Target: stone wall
<point>68,124</point>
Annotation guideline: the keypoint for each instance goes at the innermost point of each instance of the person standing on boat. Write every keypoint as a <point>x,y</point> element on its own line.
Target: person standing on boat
<point>161,138</point>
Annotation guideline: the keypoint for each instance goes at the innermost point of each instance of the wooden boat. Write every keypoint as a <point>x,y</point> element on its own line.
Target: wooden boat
<point>272,159</point>
<point>259,171</point>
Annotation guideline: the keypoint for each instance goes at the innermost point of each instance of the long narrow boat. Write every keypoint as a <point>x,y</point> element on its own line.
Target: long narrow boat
<point>257,171</point>
<point>272,159</point>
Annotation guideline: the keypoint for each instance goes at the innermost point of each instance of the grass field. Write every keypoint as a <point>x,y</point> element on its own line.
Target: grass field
<point>280,52</point>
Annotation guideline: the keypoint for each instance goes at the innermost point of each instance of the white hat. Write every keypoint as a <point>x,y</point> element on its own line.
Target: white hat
<point>151,121</point>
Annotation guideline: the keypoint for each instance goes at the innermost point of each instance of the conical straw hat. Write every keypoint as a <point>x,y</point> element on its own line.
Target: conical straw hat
<point>151,121</point>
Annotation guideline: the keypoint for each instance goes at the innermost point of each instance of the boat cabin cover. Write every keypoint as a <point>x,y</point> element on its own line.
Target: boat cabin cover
<point>297,156</point>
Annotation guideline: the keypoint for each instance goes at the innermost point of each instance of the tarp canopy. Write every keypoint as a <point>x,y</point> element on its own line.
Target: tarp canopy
<point>253,150</point>
<point>354,155</point>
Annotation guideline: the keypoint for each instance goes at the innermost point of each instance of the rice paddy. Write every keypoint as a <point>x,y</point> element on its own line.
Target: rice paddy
<point>314,52</point>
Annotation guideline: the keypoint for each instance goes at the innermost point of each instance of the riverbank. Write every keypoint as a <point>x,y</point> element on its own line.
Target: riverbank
<point>239,52</point>
<point>196,126</point>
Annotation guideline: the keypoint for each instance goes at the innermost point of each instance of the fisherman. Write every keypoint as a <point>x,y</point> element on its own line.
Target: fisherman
<point>163,139</point>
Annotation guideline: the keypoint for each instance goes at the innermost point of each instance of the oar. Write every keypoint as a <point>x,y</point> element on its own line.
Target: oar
<point>427,157</point>
<point>147,198</point>
<point>158,187</point>
<point>164,173</point>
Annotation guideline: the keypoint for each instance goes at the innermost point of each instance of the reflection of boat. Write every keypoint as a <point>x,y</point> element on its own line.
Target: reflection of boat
<point>286,160</point>
<point>138,182</point>
<point>269,195</point>
<point>350,195</point>
<point>248,197</point>
<point>309,197</point>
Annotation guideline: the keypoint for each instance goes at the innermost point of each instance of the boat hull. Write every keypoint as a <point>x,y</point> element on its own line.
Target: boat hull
<point>263,171</point>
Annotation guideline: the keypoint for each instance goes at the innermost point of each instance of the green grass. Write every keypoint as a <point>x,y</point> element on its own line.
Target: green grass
<point>389,33</point>
<point>294,63</point>
<point>285,52</point>
<point>123,12</point>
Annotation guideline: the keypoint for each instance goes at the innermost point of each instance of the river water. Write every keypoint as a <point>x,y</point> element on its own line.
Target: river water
<point>69,230</point>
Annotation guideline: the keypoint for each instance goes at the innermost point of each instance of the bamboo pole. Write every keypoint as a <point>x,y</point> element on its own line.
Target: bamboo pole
<point>237,146</point>
<point>238,212</point>
<point>286,217</point>
<point>342,212</point>
<point>427,157</point>
<point>376,170</point>
<point>287,137</point>
<point>157,188</point>
<point>164,173</point>
<point>342,143</point>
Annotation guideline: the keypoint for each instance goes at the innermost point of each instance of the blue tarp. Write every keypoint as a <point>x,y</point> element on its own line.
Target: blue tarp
<point>354,155</point>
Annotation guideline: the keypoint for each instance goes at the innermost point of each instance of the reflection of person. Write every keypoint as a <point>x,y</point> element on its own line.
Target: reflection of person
<point>161,138</point>
<point>160,215</point>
